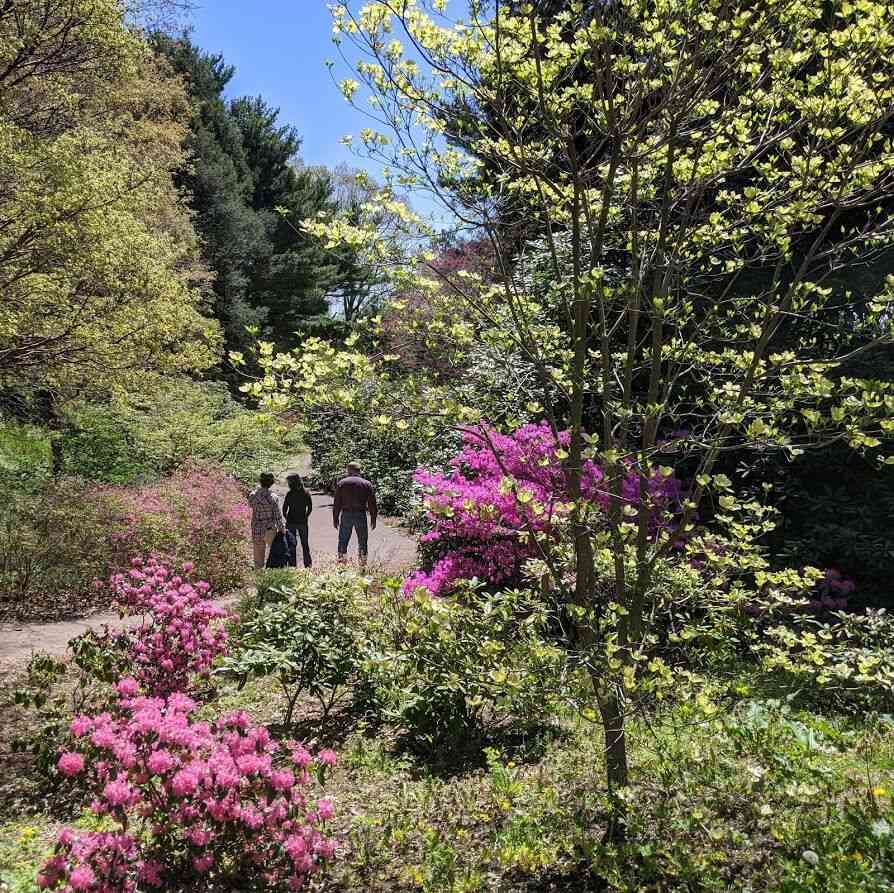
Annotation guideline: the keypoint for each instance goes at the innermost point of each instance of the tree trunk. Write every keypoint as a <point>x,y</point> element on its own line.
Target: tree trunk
<point>47,412</point>
<point>291,701</point>
<point>612,711</point>
<point>56,449</point>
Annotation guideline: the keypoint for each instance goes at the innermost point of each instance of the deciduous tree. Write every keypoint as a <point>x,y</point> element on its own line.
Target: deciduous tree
<point>98,262</point>
<point>706,176</point>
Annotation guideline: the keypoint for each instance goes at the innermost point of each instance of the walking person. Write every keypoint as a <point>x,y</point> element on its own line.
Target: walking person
<point>296,510</point>
<point>354,498</point>
<point>266,518</point>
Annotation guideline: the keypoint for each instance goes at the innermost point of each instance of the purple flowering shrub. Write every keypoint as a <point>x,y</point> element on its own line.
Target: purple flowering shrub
<point>831,593</point>
<point>191,802</point>
<point>506,491</point>
<point>198,515</point>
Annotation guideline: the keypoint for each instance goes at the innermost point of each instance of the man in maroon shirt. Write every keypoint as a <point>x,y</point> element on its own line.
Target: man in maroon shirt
<point>354,497</point>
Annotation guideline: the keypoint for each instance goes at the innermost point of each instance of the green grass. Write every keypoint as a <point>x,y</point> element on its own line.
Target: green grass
<point>26,843</point>
<point>23,846</point>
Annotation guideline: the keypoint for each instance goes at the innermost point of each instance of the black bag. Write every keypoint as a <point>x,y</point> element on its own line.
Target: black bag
<point>282,550</point>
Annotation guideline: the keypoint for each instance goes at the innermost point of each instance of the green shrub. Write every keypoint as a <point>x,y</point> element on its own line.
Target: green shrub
<point>848,660</point>
<point>98,445</point>
<point>388,456</point>
<point>446,669</point>
<point>388,453</point>
<point>272,585</point>
<point>308,638</point>
<point>836,508</point>
<point>26,459</point>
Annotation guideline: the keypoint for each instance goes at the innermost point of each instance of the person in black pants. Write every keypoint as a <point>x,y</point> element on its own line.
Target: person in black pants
<point>296,510</point>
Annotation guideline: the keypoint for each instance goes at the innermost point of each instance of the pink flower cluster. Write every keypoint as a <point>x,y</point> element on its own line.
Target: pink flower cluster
<point>198,513</point>
<point>831,593</point>
<point>82,859</point>
<point>222,800</point>
<point>178,637</point>
<point>478,518</point>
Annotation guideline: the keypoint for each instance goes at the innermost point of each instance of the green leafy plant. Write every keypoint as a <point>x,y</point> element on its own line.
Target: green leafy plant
<point>308,639</point>
<point>166,421</point>
<point>54,690</point>
<point>389,453</point>
<point>443,669</point>
<point>25,457</point>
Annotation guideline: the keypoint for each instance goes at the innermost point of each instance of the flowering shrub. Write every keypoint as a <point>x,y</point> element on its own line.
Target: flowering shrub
<point>831,593</point>
<point>197,514</point>
<point>171,648</point>
<point>177,638</point>
<point>189,800</point>
<point>55,544</point>
<point>504,492</point>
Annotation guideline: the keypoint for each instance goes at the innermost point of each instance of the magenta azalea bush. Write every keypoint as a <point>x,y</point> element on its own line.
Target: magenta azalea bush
<point>198,514</point>
<point>501,487</point>
<point>179,634</point>
<point>190,801</point>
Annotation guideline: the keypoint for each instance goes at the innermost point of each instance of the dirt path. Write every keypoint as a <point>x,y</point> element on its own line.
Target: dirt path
<point>389,547</point>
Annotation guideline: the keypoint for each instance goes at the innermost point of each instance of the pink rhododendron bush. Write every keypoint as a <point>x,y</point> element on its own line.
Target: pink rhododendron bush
<point>192,802</point>
<point>179,634</point>
<point>198,514</point>
<point>505,500</point>
<point>187,802</point>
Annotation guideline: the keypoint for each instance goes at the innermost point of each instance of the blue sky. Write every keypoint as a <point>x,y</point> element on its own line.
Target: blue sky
<point>280,48</point>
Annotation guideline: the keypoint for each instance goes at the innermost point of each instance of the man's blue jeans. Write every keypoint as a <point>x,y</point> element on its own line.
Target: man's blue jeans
<point>347,523</point>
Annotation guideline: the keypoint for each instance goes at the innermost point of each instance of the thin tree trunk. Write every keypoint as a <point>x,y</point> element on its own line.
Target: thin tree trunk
<point>291,701</point>
<point>611,710</point>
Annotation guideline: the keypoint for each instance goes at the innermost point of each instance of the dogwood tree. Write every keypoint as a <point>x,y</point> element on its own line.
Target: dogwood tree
<point>676,195</point>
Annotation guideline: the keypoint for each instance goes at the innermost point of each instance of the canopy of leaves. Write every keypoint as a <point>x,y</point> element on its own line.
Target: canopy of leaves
<point>98,260</point>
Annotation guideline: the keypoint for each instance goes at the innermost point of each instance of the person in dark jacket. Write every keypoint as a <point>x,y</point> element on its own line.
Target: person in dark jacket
<point>296,510</point>
<point>354,498</point>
